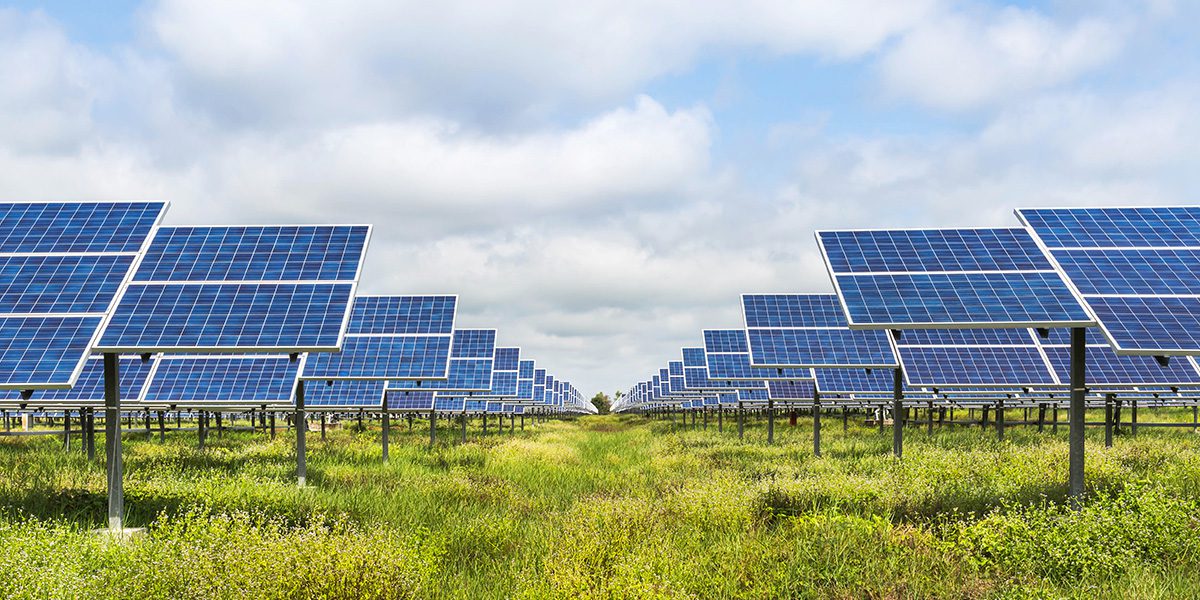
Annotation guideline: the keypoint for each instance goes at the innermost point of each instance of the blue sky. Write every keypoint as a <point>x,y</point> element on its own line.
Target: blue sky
<point>600,180</point>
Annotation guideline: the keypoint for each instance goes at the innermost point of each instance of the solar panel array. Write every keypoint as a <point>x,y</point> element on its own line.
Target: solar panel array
<point>1135,268</point>
<point>470,365</point>
<point>258,289</point>
<point>809,330</point>
<point>63,266</point>
<point>937,278</point>
<point>182,380</point>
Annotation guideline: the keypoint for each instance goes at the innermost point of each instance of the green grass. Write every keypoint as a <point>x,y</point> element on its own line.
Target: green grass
<point>612,507</point>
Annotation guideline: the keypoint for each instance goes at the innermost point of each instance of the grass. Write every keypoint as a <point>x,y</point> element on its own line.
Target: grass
<point>612,507</point>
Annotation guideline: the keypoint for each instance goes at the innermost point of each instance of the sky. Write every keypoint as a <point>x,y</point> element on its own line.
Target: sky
<point>601,180</point>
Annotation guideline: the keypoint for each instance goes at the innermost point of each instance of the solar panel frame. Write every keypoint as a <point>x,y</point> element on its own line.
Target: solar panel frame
<point>805,331</point>
<point>163,385</point>
<point>976,358</point>
<point>347,393</point>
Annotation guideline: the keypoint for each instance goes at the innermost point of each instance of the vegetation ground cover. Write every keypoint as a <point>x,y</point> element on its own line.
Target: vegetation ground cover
<point>611,507</point>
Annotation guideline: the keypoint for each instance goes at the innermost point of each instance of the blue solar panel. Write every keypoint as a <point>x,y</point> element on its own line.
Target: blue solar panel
<point>1030,299</point>
<point>676,384</point>
<point>675,368</point>
<point>525,389</point>
<point>1135,268</point>
<point>223,380</point>
<point>805,330</point>
<point>753,395</point>
<point>967,337</point>
<point>420,357</point>
<point>403,315</point>
<point>792,310</point>
<point>266,316</point>
<point>508,359</point>
<point>924,250</point>
<point>348,393</point>
<point>819,347</point>
<point>1105,367</point>
<point>43,351</point>
<point>948,278</point>
<point>504,383</point>
<point>61,283</point>
<point>475,406</point>
<point>455,404</point>
<point>89,388</point>
<point>410,401</point>
<point>270,253</point>
<point>1164,226</point>
<point>850,381</point>
<point>791,390</point>
<point>495,407</point>
<point>74,227</point>
<point>474,343</point>
<point>731,398</point>
<point>465,375</point>
<point>526,370</point>
<point>51,304</point>
<point>725,340</point>
<point>694,357</point>
<point>949,366</point>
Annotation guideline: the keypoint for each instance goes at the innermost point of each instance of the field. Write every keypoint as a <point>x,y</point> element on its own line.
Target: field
<point>611,507</point>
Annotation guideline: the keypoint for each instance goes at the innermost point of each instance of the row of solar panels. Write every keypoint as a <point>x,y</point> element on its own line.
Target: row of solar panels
<point>965,310</point>
<point>228,316</point>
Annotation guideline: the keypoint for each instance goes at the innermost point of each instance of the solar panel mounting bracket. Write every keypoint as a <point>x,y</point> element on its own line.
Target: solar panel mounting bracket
<point>1043,332</point>
<point>1162,360</point>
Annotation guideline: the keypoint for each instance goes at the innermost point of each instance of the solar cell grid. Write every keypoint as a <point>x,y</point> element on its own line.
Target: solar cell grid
<point>526,370</point>
<point>410,401</point>
<point>927,250</point>
<point>349,393</point>
<point>1139,227</point>
<point>74,227</point>
<point>455,404</point>
<point>89,387</point>
<point>725,340</point>
<point>792,310</point>
<point>403,315</point>
<point>849,381</point>
<point>474,343</point>
<point>43,351</point>
<point>791,390</point>
<point>694,357</point>
<point>400,357</point>
<point>675,368</point>
<point>61,283</point>
<point>819,347</point>
<point>504,383</point>
<point>263,317</point>
<point>946,366</point>
<point>223,379</point>
<point>255,253</point>
<point>508,359</point>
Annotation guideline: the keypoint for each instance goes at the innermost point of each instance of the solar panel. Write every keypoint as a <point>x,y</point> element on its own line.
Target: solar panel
<point>452,404</point>
<point>1107,369</point>
<point>62,266</point>
<point>89,387</point>
<point>525,370</point>
<point>727,353</point>
<point>791,390</point>
<point>225,289</point>
<point>391,337</point>
<point>470,367</point>
<point>475,406</point>
<point>809,330</point>
<point>344,393</point>
<point>474,343</point>
<point>850,381</point>
<point>1135,269</point>
<point>410,401</point>
<point>239,380</point>
<point>974,357</point>
<point>931,278</point>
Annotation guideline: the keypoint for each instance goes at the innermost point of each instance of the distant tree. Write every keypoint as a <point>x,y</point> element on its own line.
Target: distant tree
<point>601,402</point>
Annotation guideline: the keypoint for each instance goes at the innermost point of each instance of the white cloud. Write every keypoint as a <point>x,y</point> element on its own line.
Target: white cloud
<point>278,62</point>
<point>964,60</point>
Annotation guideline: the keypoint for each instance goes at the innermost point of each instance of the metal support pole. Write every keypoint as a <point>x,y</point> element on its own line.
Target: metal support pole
<point>879,418</point>
<point>1108,423</point>
<point>387,426</point>
<point>929,422</point>
<point>770,421</point>
<point>816,425</point>
<point>91,434</point>
<point>148,434</point>
<point>220,426</point>
<point>522,422</point>
<point>112,443</point>
<point>272,424</point>
<point>1195,417</point>
<point>301,422</point>
<point>1000,420</point>
<point>201,429</point>
<point>484,423</point>
<point>432,428</point>
<point>162,427</point>
<point>845,418</point>
<point>720,419</point>
<point>1078,389</point>
<point>323,430</point>
<point>66,429</point>
<point>1133,417</point>
<point>463,418</point>
<point>898,412</point>
<point>1041,417</point>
